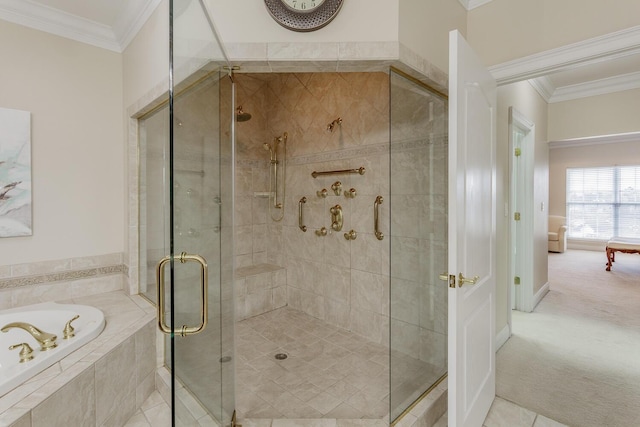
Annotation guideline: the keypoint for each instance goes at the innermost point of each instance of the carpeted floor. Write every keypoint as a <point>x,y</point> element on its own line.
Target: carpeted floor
<point>576,358</point>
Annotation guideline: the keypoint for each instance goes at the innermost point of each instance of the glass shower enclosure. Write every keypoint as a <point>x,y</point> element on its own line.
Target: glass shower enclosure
<point>186,209</point>
<point>186,227</point>
<point>418,240</point>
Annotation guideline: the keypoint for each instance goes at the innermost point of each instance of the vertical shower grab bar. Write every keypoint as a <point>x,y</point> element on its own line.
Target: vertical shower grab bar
<point>376,225</point>
<point>300,221</point>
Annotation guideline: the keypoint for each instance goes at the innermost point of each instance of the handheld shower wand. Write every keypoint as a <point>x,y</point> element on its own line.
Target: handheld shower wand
<point>273,175</point>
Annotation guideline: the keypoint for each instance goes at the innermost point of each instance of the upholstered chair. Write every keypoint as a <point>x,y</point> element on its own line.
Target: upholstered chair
<point>557,233</point>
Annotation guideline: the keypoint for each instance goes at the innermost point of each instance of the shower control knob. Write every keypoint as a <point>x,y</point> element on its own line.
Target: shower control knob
<point>351,235</point>
<point>351,194</point>
<point>322,193</point>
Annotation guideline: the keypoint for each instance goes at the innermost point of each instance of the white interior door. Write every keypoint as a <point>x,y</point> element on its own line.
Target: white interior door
<point>472,212</point>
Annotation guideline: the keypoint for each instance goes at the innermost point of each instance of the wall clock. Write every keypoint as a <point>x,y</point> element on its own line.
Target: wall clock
<point>303,15</point>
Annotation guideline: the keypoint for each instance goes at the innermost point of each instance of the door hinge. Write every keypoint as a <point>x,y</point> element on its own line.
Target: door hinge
<point>516,280</point>
<point>517,152</point>
<point>516,216</point>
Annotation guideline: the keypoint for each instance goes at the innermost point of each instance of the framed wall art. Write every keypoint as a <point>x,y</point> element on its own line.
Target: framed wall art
<point>15,173</point>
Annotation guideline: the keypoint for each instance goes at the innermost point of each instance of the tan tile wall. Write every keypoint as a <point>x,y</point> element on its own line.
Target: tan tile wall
<point>419,149</point>
<point>30,283</point>
<point>345,282</point>
<point>342,282</point>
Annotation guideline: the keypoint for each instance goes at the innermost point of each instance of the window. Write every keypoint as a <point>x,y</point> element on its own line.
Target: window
<point>603,202</point>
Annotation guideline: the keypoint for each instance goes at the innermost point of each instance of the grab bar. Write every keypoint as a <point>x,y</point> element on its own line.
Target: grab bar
<point>376,226</point>
<point>360,170</point>
<point>300,221</point>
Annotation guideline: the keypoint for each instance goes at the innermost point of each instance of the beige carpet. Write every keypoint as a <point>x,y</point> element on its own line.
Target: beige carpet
<point>576,358</point>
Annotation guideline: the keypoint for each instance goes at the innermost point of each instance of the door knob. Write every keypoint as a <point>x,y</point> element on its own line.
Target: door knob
<point>462,280</point>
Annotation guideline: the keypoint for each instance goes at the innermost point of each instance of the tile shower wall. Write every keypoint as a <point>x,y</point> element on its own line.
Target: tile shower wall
<point>346,283</point>
<point>418,223</point>
<point>342,282</point>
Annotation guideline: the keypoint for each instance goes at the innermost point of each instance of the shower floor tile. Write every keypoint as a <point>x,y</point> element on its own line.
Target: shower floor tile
<point>328,372</point>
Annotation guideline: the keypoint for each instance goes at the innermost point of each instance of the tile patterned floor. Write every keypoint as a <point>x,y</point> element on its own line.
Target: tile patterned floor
<point>155,413</point>
<point>329,375</point>
<point>506,414</point>
<point>328,372</point>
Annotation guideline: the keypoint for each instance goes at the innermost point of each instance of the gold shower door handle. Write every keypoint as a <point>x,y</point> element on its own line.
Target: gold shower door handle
<point>204,283</point>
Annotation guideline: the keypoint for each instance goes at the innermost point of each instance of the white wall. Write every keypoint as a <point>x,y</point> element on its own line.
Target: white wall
<point>145,62</point>
<point>74,94</point>
<point>357,21</point>
<point>613,113</point>
<point>503,30</point>
<point>527,101</point>
<point>425,25</point>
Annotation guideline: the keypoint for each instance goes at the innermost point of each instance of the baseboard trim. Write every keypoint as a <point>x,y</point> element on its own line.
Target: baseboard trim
<point>540,294</point>
<point>503,336</point>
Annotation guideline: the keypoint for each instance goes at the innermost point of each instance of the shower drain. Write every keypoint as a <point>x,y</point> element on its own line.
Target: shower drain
<point>281,356</point>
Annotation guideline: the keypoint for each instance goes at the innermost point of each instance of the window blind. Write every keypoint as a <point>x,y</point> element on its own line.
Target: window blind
<point>603,202</point>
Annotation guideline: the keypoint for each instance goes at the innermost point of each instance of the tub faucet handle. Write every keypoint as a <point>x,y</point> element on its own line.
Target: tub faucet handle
<point>47,341</point>
<point>26,352</point>
<point>68,329</point>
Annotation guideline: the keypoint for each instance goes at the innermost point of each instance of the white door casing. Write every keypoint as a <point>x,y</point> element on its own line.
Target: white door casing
<point>522,137</point>
<point>472,230</point>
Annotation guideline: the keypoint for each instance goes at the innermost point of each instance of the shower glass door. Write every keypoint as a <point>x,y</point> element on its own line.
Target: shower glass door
<point>195,279</point>
<point>417,239</point>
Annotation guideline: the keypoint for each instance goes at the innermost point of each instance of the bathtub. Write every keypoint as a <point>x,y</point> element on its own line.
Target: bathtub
<point>48,317</point>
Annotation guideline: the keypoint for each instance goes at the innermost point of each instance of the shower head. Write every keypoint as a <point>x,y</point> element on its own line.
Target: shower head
<point>241,116</point>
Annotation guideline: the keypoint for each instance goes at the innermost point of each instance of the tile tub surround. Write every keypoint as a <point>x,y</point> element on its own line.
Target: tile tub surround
<point>31,283</point>
<point>102,383</point>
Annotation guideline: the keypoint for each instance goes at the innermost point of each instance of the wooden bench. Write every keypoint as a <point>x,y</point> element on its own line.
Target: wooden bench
<point>627,245</point>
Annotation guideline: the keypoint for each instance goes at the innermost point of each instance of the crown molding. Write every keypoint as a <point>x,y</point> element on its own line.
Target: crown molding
<point>552,94</point>
<point>472,4</point>
<point>543,86</point>
<point>131,19</point>
<point>596,87</point>
<point>603,48</point>
<point>595,140</point>
<point>54,21</point>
